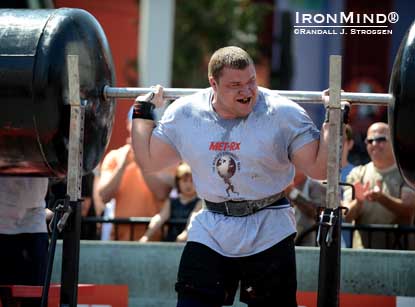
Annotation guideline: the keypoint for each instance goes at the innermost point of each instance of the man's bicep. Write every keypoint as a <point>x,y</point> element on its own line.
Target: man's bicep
<point>162,153</point>
<point>304,158</point>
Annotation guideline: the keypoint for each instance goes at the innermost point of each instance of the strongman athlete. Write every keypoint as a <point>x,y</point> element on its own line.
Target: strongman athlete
<point>243,145</point>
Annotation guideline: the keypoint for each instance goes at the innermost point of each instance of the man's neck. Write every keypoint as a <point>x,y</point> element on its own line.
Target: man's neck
<point>221,112</point>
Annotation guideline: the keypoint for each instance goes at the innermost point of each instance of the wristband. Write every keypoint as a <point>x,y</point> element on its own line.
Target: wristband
<point>143,110</point>
<point>143,107</point>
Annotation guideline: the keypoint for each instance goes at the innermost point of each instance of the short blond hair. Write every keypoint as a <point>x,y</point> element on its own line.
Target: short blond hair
<point>231,57</point>
<point>183,169</point>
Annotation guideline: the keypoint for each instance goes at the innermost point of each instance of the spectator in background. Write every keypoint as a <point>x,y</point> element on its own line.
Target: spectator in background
<point>348,144</point>
<point>362,116</point>
<point>182,207</point>
<point>135,194</point>
<point>23,234</point>
<point>382,197</point>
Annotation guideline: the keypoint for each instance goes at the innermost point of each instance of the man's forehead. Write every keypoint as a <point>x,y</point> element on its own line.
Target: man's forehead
<point>378,130</point>
<point>237,73</point>
<point>238,77</point>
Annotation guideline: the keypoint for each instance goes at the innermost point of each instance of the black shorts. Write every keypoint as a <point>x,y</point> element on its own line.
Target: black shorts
<point>267,278</point>
<point>23,258</point>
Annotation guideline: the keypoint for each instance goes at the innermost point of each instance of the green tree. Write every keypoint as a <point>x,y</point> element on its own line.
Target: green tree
<point>203,26</point>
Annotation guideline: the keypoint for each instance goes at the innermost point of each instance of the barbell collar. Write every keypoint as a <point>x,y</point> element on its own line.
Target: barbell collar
<point>299,96</point>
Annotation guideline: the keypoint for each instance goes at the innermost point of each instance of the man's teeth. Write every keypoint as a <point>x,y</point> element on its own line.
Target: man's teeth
<point>244,100</point>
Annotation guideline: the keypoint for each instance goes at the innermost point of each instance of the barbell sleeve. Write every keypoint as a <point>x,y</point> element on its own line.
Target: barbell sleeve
<point>299,96</point>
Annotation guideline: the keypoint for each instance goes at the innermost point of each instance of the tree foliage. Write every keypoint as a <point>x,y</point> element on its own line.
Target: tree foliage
<point>203,26</point>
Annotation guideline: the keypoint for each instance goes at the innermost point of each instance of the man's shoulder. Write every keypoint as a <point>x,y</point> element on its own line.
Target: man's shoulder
<point>187,106</point>
<point>200,97</point>
<point>273,101</point>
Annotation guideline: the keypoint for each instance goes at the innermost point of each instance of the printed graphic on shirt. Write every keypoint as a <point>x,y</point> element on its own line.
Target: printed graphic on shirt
<point>226,163</point>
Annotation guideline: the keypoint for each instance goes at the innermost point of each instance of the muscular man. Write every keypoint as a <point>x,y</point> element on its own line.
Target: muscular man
<point>243,145</point>
<point>381,195</point>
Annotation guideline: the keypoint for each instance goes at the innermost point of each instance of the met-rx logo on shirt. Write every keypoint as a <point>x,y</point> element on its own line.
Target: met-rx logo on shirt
<point>224,146</point>
<point>226,163</point>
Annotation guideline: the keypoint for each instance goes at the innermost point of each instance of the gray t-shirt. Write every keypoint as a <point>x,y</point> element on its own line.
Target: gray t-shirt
<point>238,159</point>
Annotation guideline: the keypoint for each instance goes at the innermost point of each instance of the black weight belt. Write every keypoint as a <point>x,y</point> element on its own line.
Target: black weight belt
<point>245,207</point>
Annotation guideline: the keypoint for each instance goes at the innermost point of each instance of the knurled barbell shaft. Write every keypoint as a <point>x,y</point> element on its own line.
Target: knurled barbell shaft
<point>299,96</point>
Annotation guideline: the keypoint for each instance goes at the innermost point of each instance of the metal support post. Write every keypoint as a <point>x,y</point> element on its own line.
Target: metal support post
<point>72,231</point>
<point>330,219</point>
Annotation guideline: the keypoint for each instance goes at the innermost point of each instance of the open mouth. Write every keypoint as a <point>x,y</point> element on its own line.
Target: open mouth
<point>244,100</point>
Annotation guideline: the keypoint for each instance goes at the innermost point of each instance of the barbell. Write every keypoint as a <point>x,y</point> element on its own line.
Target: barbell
<point>34,122</point>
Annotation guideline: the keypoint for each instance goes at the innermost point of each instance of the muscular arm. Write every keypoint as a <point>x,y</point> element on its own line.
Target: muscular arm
<point>159,183</point>
<point>151,153</point>
<point>312,157</point>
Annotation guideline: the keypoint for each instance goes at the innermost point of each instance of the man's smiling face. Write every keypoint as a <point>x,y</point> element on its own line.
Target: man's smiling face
<point>235,92</point>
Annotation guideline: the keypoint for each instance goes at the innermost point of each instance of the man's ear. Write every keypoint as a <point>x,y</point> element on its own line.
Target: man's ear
<point>213,83</point>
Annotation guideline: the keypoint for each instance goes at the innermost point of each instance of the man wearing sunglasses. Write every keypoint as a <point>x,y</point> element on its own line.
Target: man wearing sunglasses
<point>382,197</point>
